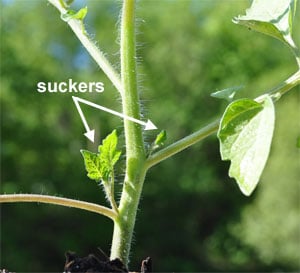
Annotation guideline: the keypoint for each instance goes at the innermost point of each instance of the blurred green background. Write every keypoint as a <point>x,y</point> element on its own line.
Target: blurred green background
<point>192,217</point>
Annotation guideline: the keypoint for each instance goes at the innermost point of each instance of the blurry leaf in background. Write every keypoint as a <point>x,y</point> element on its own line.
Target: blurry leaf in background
<point>298,142</point>
<point>227,94</point>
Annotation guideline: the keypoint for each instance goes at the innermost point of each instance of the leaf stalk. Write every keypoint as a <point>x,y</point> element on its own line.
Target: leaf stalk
<point>48,199</point>
<point>78,28</point>
<point>277,92</point>
<point>182,144</point>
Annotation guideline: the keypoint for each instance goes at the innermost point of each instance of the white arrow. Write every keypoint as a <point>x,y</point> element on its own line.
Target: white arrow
<point>90,134</point>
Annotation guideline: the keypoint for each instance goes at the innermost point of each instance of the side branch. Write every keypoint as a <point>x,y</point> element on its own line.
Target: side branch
<point>287,85</point>
<point>48,199</point>
<point>276,93</point>
<point>91,47</point>
<point>182,144</point>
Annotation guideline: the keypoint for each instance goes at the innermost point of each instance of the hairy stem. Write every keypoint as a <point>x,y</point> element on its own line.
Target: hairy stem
<point>135,152</point>
<point>12,198</point>
<point>112,193</point>
<point>76,25</point>
<point>277,92</point>
<point>182,144</point>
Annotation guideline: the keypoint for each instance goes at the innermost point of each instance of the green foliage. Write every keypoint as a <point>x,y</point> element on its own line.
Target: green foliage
<point>227,94</point>
<point>157,143</point>
<point>248,153</point>
<point>274,18</point>
<point>160,138</point>
<point>108,154</point>
<point>270,224</point>
<point>92,165</point>
<point>79,15</point>
<point>208,53</point>
<point>245,135</point>
<point>100,166</point>
<point>71,14</point>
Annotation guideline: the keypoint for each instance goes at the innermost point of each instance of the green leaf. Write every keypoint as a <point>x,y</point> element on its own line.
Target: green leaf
<point>160,138</point>
<point>245,136</point>
<point>227,94</point>
<point>92,165</point>
<point>158,142</point>
<point>71,14</point>
<point>109,155</point>
<point>271,17</point>
<point>100,166</point>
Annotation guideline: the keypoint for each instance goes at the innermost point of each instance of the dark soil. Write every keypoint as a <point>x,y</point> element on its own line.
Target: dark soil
<point>92,264</point>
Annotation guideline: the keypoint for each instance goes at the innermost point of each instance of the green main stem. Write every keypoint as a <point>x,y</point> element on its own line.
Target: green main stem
<point>135,152</point>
